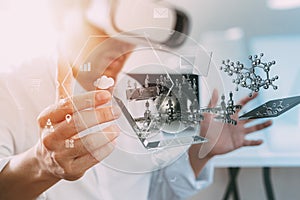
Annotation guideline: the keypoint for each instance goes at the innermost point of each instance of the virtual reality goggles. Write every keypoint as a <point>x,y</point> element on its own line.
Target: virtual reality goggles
<point>142,21</point>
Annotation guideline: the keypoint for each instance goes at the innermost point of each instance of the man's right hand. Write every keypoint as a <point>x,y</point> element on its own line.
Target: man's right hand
<point>61,152</point>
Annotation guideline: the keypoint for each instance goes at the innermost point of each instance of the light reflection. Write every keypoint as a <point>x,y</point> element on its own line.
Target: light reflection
<point>26,31</point>
<point>283,4</point>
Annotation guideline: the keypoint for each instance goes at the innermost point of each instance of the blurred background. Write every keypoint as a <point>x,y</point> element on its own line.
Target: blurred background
<point>234,29</point>
<point>231,29</point>
<point>26,31</point>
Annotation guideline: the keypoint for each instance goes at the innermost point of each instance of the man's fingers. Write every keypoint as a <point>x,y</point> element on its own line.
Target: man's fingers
<point>258,127</point>
<point>57,113</point>
<point>245,121</point>
<point>64,76</point>
<point>83,120</point>
<point>94,141</point>
<point>89,160</point>
<point>252,142</point>
<point>245,100</point>
<point>214,99</point>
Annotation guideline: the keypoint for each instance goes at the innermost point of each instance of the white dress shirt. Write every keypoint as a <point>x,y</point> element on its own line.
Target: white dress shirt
<point>30,88</point>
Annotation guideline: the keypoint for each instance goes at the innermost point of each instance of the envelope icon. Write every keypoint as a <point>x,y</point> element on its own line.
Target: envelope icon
<point>160,13</point>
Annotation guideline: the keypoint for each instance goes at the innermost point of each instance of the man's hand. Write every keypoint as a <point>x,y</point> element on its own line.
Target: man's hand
<point>62,153</point>
<point>222,137</point>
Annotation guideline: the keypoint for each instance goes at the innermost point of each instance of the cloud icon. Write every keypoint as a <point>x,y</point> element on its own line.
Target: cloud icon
<point>104,82</point>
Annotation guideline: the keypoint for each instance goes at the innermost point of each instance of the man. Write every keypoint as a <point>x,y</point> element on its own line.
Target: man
<point>34,160</point>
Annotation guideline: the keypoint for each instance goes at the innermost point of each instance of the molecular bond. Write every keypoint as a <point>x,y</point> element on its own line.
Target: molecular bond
<point>247,77</point>
<point>224,111</point>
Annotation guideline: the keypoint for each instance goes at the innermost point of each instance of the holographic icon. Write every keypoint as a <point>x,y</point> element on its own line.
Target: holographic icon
<point>171,108</point>
<point>49,126</point>
<point>104,82</point>
<point>35,86</point>
<point>69,143</point>
<point>160,13</point>
<point>170,95</point>
<point>272,108</point>
<point>68,118</point>
<point>248,77</point>
<point>224,111</point>
<point>173,179</point>
<point>86,67</point>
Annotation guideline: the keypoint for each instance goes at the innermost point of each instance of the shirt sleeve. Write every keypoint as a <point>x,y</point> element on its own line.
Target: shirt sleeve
<point>6,151</point>
<point>3,163</point>
<point>177,181</point>
<point>6,146</point>
<point>6,117</point>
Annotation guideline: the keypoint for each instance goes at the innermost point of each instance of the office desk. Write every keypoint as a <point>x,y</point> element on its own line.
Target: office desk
<point>258,157</point>
<point>242,158</point>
